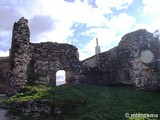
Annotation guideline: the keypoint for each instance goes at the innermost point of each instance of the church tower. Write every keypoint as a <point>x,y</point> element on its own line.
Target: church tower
<point>97,51</point>
<point>97,48</point>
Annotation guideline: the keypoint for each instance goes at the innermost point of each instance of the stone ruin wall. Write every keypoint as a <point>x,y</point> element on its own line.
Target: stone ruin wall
<point>4,69</point>
<point>39,61</point>
<point>125,63</point>
<point>120,65</point>
<point>111,68</point>
<point>19,56</point>
<point>48,58</point>
<point>4,73</point>
<point>144,54</point>
<point>91,74</point>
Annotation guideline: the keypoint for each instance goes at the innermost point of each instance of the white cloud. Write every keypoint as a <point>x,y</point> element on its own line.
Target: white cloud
<point>154,25</point>
<point>8,15</point>
<point>117,27</point>
<point>106,5</point>
<point>4,38</point>
<point>60,34</point>
<point>64,14</point>
<point>106,38</point>
<point>39,24</point>
<point>122,23</point>
<point>151,13</point>
<point>4,53</point>
<point>84,54</point>
<point>151,7</point>
<point>77,11</point>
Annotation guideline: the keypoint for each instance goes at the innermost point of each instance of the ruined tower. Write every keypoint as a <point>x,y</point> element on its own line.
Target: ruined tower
<point>20,56</point>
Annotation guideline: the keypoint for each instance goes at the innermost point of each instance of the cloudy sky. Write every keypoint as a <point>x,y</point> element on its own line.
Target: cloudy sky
<point>78,22</point>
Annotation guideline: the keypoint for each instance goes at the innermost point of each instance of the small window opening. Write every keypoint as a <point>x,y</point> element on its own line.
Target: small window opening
<point>60,77</point>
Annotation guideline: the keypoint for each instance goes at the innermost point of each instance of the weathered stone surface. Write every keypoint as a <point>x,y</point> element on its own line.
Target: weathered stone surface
<point>92,76</point>
<point>143,59</point>
<point>133,62</point>
<point>39,61</point>
<point>48,58</point>
<point>4,73</point>
<point>20,56</point>
<point>33,108</point>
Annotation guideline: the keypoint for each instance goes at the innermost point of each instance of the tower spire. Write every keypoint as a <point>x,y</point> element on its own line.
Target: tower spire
<point>97,48</point>
<point>96,41</point>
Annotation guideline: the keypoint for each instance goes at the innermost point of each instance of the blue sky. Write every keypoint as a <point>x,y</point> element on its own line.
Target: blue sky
<point>78,22</point>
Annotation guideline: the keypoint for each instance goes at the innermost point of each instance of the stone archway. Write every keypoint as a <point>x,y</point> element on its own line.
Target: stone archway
<point>60,77</point>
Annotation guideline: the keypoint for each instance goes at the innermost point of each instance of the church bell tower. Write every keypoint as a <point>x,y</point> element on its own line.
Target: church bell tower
<point>97,48</point>
<point>97,52</point>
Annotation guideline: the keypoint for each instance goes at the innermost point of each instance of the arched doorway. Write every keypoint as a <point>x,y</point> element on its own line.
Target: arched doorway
<point>60,77</point>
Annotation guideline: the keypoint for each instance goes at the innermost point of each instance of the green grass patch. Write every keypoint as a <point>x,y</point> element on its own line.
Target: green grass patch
<point>31,92</point>
<point>86,102</point>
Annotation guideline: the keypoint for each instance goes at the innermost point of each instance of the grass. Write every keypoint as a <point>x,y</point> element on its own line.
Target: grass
<point>86,102</point>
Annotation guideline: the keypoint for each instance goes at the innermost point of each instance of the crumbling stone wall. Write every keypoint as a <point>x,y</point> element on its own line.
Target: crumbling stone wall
<point>48,58</point>
<point>39,61</point>
<point>109,65</point>
<point>92,75</point>
<point>144,50</point>
<point>20,56</point>
<point>4,69</point>
<point>4,73</point>
<point>132,62</point>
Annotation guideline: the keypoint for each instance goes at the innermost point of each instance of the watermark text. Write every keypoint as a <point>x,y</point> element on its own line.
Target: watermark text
<point>140,115</point>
